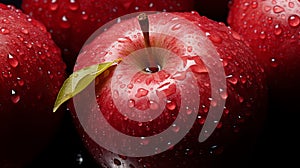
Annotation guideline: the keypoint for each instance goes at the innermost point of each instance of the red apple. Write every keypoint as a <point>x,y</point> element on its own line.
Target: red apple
<point>187,93</point>
<point>32,71</point>
<point>272,29</point>
<point>71,22</point>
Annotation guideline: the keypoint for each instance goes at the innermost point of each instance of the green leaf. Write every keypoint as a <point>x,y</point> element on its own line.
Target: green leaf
<point>79,80</point>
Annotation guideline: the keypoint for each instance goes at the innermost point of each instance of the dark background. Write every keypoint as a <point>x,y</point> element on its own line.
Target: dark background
<point>276,145</point>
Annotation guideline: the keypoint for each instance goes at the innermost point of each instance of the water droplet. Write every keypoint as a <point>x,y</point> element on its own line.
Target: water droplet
<point>179,75</point>
<point>274,62</point>
<point>176,27</point>
<point>73,5</point>
<point>124,40</point>
<point>131,103</point>
<point>189,48</point>
<point>201,121</point>
<point>117,162</point>
<point>235,35</point>
<point>130,86</point>
<point>241,99</point>
<point>171,105</point>
<point>12,60</point>
<point>20,81</point>
<point>15,98</point>
<point>5,21</point>
<point>254,4</point>
<point>175,128</point>
<point>278,30</point>
<point>151,5</point>
<point>294,20</point>
<point>65,22</point>
<point>278,9</point>
<point>24,31</point>
<point>140,124</point>
<point>262,35</point>
<point>224,95</point>
<point>198,69</point>
<point>4,30</point>
<point>141,92</point>
<point>215,38</point>
<point>291,4</point>
<point>53,5</point>
<point>116,94</point>
<point>267,8</point>
<point>153,105</point>
<point>84,16</point>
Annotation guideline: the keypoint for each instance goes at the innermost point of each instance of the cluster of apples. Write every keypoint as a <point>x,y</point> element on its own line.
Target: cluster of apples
<point>184,87</point>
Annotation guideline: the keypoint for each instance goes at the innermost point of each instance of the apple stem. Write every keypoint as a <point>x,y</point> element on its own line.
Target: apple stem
<point>144,25</point>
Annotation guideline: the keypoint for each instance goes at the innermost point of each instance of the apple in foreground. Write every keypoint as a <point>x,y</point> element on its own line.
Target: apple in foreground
<point>32,72</point>
<point>188,92</point>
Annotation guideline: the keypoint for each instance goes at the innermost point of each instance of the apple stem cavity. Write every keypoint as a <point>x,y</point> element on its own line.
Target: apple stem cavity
<point>153,66</point>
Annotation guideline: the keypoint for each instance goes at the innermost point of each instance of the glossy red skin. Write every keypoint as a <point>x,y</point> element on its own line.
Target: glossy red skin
<point>84,17</point>
<point>240,122</point>
<point>32,71</point>
<point>266,27</point>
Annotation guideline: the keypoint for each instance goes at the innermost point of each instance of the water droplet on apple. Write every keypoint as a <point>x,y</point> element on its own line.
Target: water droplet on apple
<point>254,4</point>
<point>215,38</point>
<point>64,22</point>
<point>241,99</point>
<point>176,27</point>
<point>189,48</point>
<point>175,128</point>
<point>24,31</point>
<point>291,4</point>
<point>73,5</point>
<point>198,69</point>
<point>53,5</point>
<point>141,92</point>
<point>12,60</point>
<point>179,75</point>
<point>117,162</point>
<point>267,8</point>
<point>274,62</point>
<point>278,9</point>
<point>201,121</point>
<point>116,94</point>
<point>20,81</point>
<point>153,105</point>
<point>262,35</point>
<point>235,35</point>
<point>131,103</point>
<point>15,98</point>
<point>84,16</point>
<point>223,94</point>
<point>294,20</point>
<point>4,30</point>
<point>124,40</point>
<point>171,105</point>
<point>130,86</point>
<point>278,30</point>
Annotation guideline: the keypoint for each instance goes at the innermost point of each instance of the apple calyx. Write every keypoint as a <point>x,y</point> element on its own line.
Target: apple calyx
<point>79,80</point>
<point>152,66</point>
